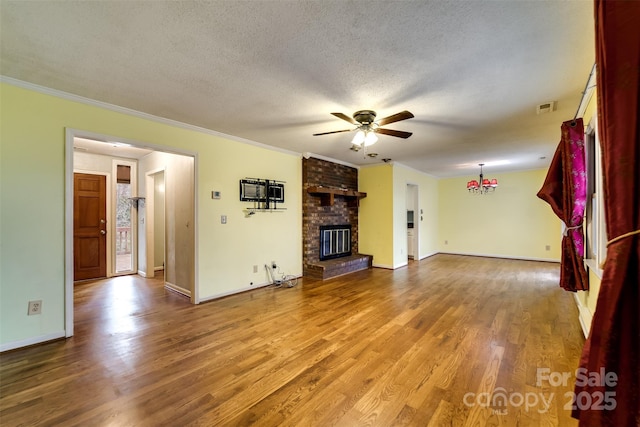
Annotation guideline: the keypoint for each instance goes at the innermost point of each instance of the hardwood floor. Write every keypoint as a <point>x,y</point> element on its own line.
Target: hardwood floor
<point>417,346</point>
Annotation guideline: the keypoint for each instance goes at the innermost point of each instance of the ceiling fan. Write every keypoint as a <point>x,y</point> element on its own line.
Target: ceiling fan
<point>367,126</point>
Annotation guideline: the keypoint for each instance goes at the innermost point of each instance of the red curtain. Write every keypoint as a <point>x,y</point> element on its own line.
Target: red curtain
<point>565,189</point>
<point>614,342</point>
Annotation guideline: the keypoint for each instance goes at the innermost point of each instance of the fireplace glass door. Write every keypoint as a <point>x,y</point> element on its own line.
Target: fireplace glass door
<point>335,241</point>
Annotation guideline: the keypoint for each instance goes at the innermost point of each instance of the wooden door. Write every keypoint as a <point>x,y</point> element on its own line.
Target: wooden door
<point>89,226</point>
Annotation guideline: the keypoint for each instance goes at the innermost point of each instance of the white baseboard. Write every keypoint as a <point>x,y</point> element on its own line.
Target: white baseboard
<point>158,268</point>
<point>237,291</point>
<point>178,289</point>
<point>584,316</point>
<point>31,341</point>
<point>402,264</point>
<point>388,267</point>
<point>428,255</point>
<point>502,256</point>
<point>142,273</point>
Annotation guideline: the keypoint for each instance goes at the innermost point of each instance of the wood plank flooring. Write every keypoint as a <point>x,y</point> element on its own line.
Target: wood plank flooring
<point>417,346</point>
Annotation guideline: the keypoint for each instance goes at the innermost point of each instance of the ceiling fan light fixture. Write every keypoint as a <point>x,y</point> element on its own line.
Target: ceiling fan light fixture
<point>359,138</point>
<point>370,139</point>
<point>367,128</point>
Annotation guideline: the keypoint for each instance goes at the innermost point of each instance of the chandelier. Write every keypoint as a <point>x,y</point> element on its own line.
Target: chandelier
<point>483,185</point>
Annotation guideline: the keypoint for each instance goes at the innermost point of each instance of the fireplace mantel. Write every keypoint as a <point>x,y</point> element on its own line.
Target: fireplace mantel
<point>327,195</point>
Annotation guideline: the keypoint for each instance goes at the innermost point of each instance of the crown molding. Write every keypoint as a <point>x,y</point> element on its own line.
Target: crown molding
<point>139,114</point>
<point>308,154</point>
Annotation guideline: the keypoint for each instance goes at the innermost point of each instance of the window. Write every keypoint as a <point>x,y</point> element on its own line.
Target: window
<point>124,240</point>
<point>595,231</point>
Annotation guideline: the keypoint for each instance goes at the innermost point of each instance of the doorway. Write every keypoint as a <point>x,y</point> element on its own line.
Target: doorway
<point>124,241</point>
<point>156,224</point>
<point>186,203</point>
<point>414,216</point>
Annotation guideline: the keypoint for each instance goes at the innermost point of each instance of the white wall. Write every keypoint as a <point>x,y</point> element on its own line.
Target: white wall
<point>92,162</point>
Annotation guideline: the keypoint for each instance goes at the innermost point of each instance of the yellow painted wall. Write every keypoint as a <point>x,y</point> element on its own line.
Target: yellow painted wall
<point>375,235</point>
<point>32,197</point>
<point>383,213</point>
<point>511,222</point>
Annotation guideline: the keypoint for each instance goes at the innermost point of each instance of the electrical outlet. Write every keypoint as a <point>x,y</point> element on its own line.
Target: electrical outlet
<point>548,247</point>
<point>255,268</point>
<point>446,242</point>
<point>35,307</point>
<point>273,264</point>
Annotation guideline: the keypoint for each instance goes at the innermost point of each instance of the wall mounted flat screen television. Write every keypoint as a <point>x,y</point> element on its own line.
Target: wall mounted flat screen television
<point>254,190</point>
<point>276,192</point>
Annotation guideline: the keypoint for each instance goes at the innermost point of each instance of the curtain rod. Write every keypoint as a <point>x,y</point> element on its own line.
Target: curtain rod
<point>586,88</point>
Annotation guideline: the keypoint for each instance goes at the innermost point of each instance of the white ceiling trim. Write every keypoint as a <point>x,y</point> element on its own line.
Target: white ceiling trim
<point>307,154</point>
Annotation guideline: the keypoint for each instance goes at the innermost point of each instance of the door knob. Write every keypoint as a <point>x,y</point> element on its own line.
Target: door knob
<point>103,232</point>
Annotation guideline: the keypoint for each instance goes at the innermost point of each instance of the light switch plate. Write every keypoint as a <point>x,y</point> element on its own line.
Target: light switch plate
<point>223,219</point>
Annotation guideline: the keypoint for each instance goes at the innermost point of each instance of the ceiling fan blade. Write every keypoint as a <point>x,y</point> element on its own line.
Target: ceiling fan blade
<point>335,131</point>
<point>346,118</point>
<point>391,132</point>
<point>403,115</point>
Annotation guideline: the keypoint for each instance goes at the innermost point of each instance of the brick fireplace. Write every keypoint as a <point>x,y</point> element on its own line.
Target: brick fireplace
<point>330,199</point>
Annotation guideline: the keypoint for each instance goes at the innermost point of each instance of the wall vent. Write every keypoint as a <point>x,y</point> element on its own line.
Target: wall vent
<point>546,107</point>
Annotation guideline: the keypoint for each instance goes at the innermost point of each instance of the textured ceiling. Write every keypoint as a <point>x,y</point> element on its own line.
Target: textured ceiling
<point>471,72</point>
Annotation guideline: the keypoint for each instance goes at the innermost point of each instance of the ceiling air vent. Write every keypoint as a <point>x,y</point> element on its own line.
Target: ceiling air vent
<point>546,107</point>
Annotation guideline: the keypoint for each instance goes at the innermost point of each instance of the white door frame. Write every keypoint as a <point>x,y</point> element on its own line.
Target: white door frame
<point>150,235</point>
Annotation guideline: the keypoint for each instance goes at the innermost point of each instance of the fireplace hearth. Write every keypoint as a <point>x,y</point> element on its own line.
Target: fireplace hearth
<point>335,241</point>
